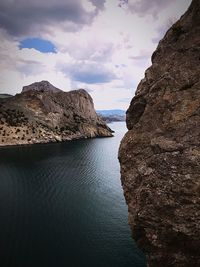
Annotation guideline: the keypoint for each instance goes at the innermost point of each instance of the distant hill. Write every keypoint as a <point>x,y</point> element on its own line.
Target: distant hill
<point>5,96</point>
<point>112,115</point>
<point>106,112</point>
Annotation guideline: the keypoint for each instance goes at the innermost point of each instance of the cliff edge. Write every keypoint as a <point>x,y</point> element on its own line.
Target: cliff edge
<point>160,154</point>
<point>43,113</point>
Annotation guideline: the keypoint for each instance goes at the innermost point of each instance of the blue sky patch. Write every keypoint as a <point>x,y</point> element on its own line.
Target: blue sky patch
<point>41,45</point>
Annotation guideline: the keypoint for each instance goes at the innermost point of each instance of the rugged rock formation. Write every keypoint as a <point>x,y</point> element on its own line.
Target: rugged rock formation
<point>160,154</point>
<point>43,113</point>
<point>43,86</point>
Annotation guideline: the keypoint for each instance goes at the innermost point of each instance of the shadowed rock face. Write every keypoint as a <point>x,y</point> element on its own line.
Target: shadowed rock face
<point>160,154</point>
<point>43,113</point>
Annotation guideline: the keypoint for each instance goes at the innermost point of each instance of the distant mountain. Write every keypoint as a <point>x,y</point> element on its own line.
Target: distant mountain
<point>2,96</point>
<point>43,113</point>
<point>109,112</point>
<point>112,115</point>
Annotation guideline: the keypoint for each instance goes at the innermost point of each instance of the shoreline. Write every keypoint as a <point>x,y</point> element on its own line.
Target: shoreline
<point>52,142</point>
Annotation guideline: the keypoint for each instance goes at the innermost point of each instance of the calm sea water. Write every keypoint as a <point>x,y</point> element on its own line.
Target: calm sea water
<point>62,205</point>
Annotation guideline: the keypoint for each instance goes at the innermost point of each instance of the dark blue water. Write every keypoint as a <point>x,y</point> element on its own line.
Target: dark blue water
<point>62,205</point>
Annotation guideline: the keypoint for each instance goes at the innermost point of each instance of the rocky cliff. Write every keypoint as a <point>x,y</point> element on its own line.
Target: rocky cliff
<point>43,113</point>
<point>160,154</point>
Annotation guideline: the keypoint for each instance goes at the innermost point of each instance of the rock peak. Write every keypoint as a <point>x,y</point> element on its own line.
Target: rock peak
<point>43,86</point>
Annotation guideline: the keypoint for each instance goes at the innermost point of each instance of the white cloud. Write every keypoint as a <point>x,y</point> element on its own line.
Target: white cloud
<point>22,17</point>
<point>106,55</point>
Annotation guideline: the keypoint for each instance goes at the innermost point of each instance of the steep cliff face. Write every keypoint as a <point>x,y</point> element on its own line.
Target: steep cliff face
<point>43,113</point>
<point>160,154</point>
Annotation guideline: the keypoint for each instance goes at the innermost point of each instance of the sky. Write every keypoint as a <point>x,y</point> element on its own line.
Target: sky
<point>103,46</point>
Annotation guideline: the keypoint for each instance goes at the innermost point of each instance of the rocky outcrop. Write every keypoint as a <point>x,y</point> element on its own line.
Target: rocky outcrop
<point>43,86</point>
<point>42,114</point>
<point>160,154</point>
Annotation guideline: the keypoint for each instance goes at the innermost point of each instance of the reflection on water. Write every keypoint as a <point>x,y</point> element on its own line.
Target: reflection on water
<point>62,205</point>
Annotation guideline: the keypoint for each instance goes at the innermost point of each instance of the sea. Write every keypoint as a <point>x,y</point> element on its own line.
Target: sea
<point>62,205</point>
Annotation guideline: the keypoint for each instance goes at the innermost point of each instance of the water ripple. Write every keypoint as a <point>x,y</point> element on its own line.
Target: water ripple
<point>62,205</point>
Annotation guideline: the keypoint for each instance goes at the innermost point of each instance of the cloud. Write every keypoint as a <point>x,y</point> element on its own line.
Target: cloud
<point>143,55</point>
<point>124,100</point>
<point>145,7</point>
<point>87,49</point>
<point>109,95</point>
<point>90,73</point>
<point>98,4</point>
<point>142,58</point>
<point>22,17</point>
<point>99,46</point>
<point>30,67</point>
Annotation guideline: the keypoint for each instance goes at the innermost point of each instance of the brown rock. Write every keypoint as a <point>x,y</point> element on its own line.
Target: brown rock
<point>43,113</point>
<point>160,154</point>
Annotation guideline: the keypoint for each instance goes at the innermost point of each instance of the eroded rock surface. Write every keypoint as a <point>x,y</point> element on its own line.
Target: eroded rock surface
<point>43,113</point>
<point>160,154</point>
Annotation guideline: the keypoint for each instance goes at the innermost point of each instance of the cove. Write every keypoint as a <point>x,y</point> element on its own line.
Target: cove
<point>62,205</point>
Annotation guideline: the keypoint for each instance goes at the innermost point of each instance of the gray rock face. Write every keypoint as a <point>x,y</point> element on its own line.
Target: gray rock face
<point>160,154</point>
<point>42,115</point>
